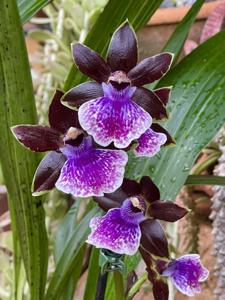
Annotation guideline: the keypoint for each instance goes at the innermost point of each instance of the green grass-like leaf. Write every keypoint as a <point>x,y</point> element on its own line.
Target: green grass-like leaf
<point>205,179</point>
<point>196,111</point>
<point>28,8</point>
<point>17,106</point>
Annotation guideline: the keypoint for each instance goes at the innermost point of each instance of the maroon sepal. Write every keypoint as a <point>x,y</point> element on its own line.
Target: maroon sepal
<point>153,238</point>
<point>149,190</point>
<point>47,172</point>
<point>60,117</point>
<point>90,63</point>
<point>122,52</point>
<point>150,69</point>
<point>163,94</point>
<point>158,128</point>
<point>113,200</point>
<point>82,93</point>
<point>160,290</point>
<point>38,138</point>
<point>131,187</point>
<point>151,103</point>
<point>166,211</point>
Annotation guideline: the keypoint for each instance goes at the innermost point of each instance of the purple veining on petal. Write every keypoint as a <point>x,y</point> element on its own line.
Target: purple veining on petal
<point>114,117</point>
<point>186,274</point>
<point>149,143</point>
<point>91,172</point>
<point>118,230</point>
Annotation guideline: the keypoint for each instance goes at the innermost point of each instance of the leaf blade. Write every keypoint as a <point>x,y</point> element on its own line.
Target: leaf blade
<point>28,8</point>
<point>18,165</point>
<point>196,114</point>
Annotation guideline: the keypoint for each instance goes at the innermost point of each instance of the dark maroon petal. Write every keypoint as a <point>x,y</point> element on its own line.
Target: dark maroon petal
<point>156,127</point>
<point>160,290</point>
<point>60,117</point>
<point>47,172</point>
<point>82,93</point>
<point>112,200</point>
<point>149,190</point>
<point>150,102</point>
<point>38,138</point>
<point>150,69</point>
<point>163,94</point>
<point>90,63</point>
<point>131,187</point>
<point>153,238</point>
<point>166,211</point>
<point>122,52</point>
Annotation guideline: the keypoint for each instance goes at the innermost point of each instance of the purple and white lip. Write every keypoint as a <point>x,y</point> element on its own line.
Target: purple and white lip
<point>89,171</point>
<point>119,230</point>
<point>114,117</point>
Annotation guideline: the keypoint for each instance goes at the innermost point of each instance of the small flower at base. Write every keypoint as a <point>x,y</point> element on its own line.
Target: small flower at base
<point>186,273</point>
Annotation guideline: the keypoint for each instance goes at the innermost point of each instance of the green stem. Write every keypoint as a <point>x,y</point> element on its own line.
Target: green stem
<point>136,287</point>
<point>201,166</point>
<point>119,286</point>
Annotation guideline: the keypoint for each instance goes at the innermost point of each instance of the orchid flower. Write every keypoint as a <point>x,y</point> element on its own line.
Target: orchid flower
<point>74,164</point>
<point>116,108</point>
<point>132,219</point>
<point>186,273</point>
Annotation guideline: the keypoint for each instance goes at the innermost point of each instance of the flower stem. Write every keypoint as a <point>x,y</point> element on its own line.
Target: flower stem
<point>101,286</point>
<point>137,285</point>
<point>119,286</point>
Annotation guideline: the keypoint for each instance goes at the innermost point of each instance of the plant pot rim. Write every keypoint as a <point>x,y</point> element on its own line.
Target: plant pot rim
<point>173,15</point>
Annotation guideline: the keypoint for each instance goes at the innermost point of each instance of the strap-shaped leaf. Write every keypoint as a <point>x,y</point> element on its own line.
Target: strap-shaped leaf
<point>17,107</point>
<point>66,262</point>
<point>196,110</point>
<point>205,179</point>
<point>28,8</point>
<point>176,41</point>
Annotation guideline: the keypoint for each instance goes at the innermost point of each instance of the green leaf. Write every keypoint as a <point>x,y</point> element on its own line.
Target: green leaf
<point>92,279</point>
<point>196,111</point>
<point>71,284</point>
<point>110,288</point>
<point>65,230</point>
<point>63,234</point>
<point>205,180</point>
<point>115,12</point>
<point>18,165</point>
<point>176,42</point>
<point>28,8</point>
<point>69,257</point>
